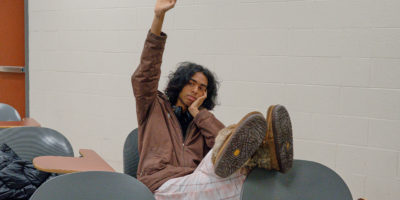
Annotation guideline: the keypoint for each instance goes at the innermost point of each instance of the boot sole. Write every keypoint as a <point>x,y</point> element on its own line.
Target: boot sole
<point>281,142</point>
<point>241,144</point>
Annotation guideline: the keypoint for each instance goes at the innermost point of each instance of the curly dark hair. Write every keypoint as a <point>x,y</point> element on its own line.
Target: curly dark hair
<point>181,77</point>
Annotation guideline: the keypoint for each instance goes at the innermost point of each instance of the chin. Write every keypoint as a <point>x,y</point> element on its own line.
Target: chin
<point>188,104</point>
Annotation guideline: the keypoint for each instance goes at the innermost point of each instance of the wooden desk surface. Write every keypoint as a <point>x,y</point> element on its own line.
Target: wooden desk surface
<point>90,161</point>
<point>23,122</point>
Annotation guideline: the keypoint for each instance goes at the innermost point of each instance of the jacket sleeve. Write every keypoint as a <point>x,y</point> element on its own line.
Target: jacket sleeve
<point>209,126</point>
<point>146,77</point>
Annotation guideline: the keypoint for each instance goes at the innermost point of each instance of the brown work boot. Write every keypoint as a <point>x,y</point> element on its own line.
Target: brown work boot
<point>236,144</point>
<point>276,150</point>
<point>220,139</point>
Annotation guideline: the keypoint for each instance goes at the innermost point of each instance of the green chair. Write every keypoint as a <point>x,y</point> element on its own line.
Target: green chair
<point>131,153</point>
<point>30,142</point>
<point>307,180</point>
<point>8,113</point>
<point>93,185</point>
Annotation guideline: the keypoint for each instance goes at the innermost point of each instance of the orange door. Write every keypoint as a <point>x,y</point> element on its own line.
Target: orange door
<point>12,54</point>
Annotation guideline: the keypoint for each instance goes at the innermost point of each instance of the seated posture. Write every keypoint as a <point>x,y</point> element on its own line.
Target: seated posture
<point>185,151</point>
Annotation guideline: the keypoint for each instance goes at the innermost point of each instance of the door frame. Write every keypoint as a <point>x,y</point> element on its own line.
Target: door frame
<point>26,24</point>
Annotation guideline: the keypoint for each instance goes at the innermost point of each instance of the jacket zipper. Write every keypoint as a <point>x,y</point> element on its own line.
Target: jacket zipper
<point>181,135</point>
<point>184,141</point>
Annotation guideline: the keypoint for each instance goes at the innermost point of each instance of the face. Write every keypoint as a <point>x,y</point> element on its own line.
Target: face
<point>195,88</point>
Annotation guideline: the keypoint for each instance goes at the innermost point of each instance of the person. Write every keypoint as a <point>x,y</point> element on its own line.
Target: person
<point>185,151</point>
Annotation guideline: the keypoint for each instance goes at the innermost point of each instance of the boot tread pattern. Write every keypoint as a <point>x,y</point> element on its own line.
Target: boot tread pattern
<point>283,137</point>
<point>246,139</point>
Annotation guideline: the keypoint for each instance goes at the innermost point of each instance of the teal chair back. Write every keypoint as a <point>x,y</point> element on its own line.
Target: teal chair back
<point>307,180</point>
<point>131,153</point>
<point>30,142</point>
<point>93,185</point>
<point>8,113</point>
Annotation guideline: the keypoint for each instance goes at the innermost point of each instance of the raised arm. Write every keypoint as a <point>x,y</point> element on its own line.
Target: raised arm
<point>162,6</point>
<point>147,75</point>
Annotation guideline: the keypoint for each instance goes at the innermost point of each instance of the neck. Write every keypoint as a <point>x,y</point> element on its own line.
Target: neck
<point>179,103</point>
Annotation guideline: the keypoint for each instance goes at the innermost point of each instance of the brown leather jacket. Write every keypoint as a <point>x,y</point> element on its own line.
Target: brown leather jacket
<point>163,153</point>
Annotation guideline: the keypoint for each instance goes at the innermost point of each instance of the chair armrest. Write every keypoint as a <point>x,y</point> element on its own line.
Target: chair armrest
<point>90,161</point>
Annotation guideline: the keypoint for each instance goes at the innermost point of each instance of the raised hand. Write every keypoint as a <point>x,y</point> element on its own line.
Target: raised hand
<point>162,6</point>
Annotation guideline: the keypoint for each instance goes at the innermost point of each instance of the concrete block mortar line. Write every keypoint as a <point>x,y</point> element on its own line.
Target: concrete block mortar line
<point>341,100</point>
<point>91,94</point>
<point>383,27</point>
<point>336,156</point>
<point>101,30</point>
<point>87,51</point>
<point>43,10</point>
<point>255,82</point>
<point>338,57</point>
<point>356,87</point>
<point>370,148</point>
<point>288,41</point>
<point>240,29</point>
<point>43,31</point>
<point>101,8</point>
<point>364,186</point>
<point>219,2</point>
<point>242,107</point>
<point>86,73</point>
<point>179,6</point>
<point>370,76</point>
<point>263,2</point>
<point>345,116</point>
<point>241,54</point>
<point>314,85</point>
<point>349,145</point>
<point>398,166</point>
<point>80,9</point>
<point>323,142</point>
<point>95,74</point>
<point>384,57</point>
<point>374,88</point>
<point>369,131</point>
<point>285,95</point>
<point>241,81</point>
<point>87,94</point>
<point>83,51</point>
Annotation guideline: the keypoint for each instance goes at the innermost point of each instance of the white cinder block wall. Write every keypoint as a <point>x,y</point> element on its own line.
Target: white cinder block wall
<point>335,64</point>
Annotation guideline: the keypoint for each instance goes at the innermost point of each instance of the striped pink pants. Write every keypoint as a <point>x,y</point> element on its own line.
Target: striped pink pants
<point>203,183</point>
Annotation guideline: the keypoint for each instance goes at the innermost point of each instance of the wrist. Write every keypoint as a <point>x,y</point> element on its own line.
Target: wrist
<point>159,13</point>
<point>193,111</point>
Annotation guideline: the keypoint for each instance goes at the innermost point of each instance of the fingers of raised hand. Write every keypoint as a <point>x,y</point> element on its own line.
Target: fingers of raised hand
<point>166,4</point>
